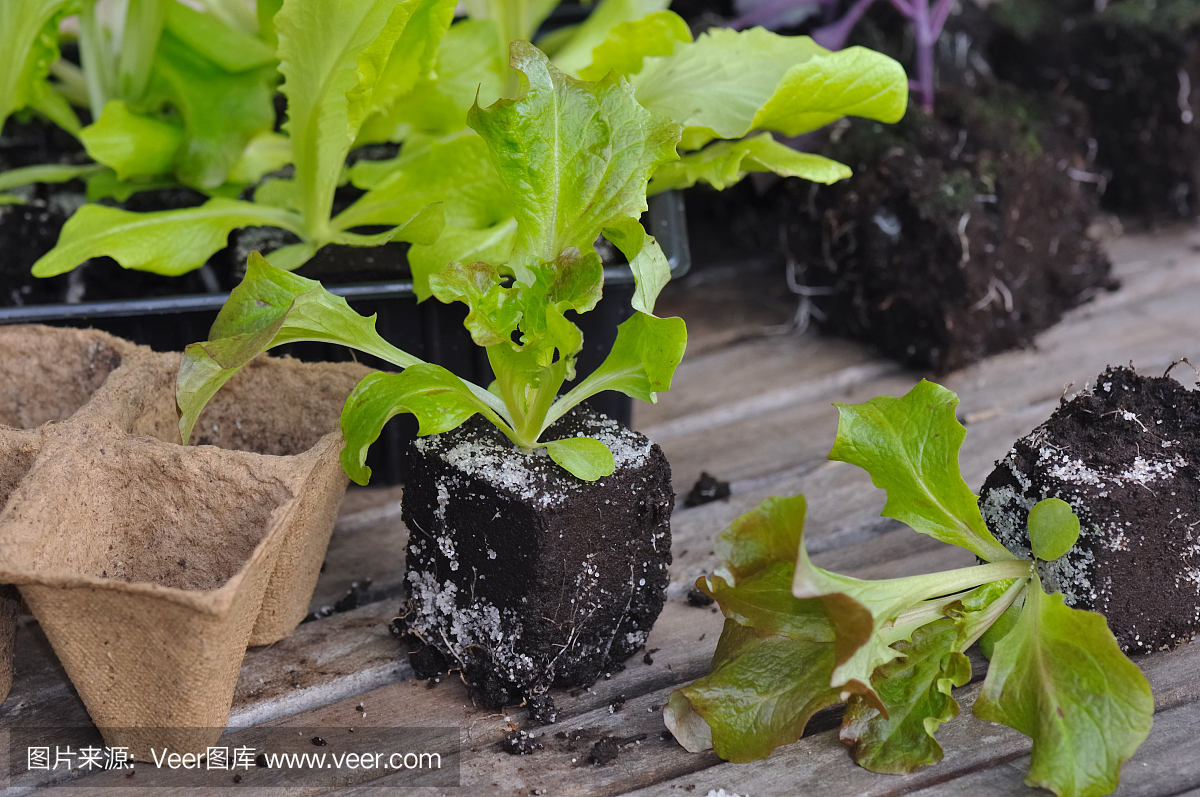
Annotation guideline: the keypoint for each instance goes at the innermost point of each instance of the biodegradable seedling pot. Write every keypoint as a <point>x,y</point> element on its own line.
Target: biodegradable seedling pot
<point>524,577</point>
<point>1126,456</point>
<point>149,565</point>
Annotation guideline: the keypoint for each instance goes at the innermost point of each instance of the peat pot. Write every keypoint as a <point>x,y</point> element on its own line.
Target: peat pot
<point>149,565</point>
<point>522,576</point>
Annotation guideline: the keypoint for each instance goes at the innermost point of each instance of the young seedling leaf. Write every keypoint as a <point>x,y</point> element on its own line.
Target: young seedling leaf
<point>221,110</point>
<point>640,364</point>
<point>167,242</point>
<point>727,83</point>
<point>726,162</point>
<point>630,43</point>
<point>495,309</point>
<point>582,457</point>
<point>1060,678</point>
<point>578,48</point>
<point>439,399</point>
<point>46,173</point>
<point>270,307</point>
<point>755,700</point>
<point>132,144</point>
<point>28,45</point>
<point>910,447</point>
<point>1053,528</point>
<point>651,271</point>
<point>915,688</point>
<point>574,156</point>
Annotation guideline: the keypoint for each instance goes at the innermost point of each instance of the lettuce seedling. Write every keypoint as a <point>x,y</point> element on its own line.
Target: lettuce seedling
<point>798,638</point>
<point>573,159</point>
<point>728,91</point>
<point>28,47</point>
<point>342,63</point>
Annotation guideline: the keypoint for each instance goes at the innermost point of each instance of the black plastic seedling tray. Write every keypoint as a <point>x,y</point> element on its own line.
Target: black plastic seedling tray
<point>430,330</point>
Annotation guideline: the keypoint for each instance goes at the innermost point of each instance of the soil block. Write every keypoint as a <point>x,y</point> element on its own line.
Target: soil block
<point>522,576</point>
<point>1125,456</point>
<point>1136,66</point>
<point>958,236</point>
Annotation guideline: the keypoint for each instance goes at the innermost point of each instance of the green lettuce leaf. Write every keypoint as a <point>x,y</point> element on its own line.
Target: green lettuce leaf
<point>168,242</point>
<point>1060,678</point>
<point>651,270</point>
<point>221,110</point>
<point>333,58</point>
<point>576,51</point>
<point>439,399</point>
<point>640,365</point>
<point>727,83</point>
<point>268,308</point>
<point>466,70</point>
<point>582,457</point>
<point>1053,528</point>
<point>910,447</point>
<point>46,173</point>
<point>28,45</point>
<point>631,42</point>
<point>495,310</point>
<point>915,688</point>
<point>216,40</point>
<point>726,162</point>
<point>263,154</point>
<point>132,144</point>
<point>574,156</point>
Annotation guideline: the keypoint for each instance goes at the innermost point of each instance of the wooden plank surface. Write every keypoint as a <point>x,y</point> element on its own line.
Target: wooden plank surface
<point>753,409</point>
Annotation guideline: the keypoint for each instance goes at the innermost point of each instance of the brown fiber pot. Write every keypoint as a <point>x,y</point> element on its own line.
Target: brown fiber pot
<point>149,565</point>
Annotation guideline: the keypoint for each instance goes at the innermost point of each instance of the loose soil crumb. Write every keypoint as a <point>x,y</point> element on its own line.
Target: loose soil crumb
<point>707,489</point>
<point>1125,456</point>
<point>605,751</point>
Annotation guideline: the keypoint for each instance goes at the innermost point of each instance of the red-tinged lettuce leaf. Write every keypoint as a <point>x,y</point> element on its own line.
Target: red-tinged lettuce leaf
<point>910,447</point>
<point>495,309</point>
<point>761,692</point>
<point>439,400</point>
<point>915,688</point>
<point>775,660</point>
<point>1060,678</point>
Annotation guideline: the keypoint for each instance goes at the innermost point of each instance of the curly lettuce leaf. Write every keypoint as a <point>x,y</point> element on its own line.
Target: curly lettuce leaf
<point>727,83</point>
<point>1060,678</point>
<point>915,689</point>
<point>910,447</point>
<point>335,63</point>
<point>575,157</point>
<point>268,308</point>
<point>28,45</point>
<point>651,270</point>
<point>465,70</point>
<point>724,163</point>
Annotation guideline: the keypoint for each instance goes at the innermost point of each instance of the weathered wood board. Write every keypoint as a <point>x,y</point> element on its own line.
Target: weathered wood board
<point>753,409</point>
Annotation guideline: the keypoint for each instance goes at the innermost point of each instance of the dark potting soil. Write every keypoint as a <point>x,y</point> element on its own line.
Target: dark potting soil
<point>1138,75</point>
<point>958,235</point>
<point>1126,456</point>
<point>523,577</point>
